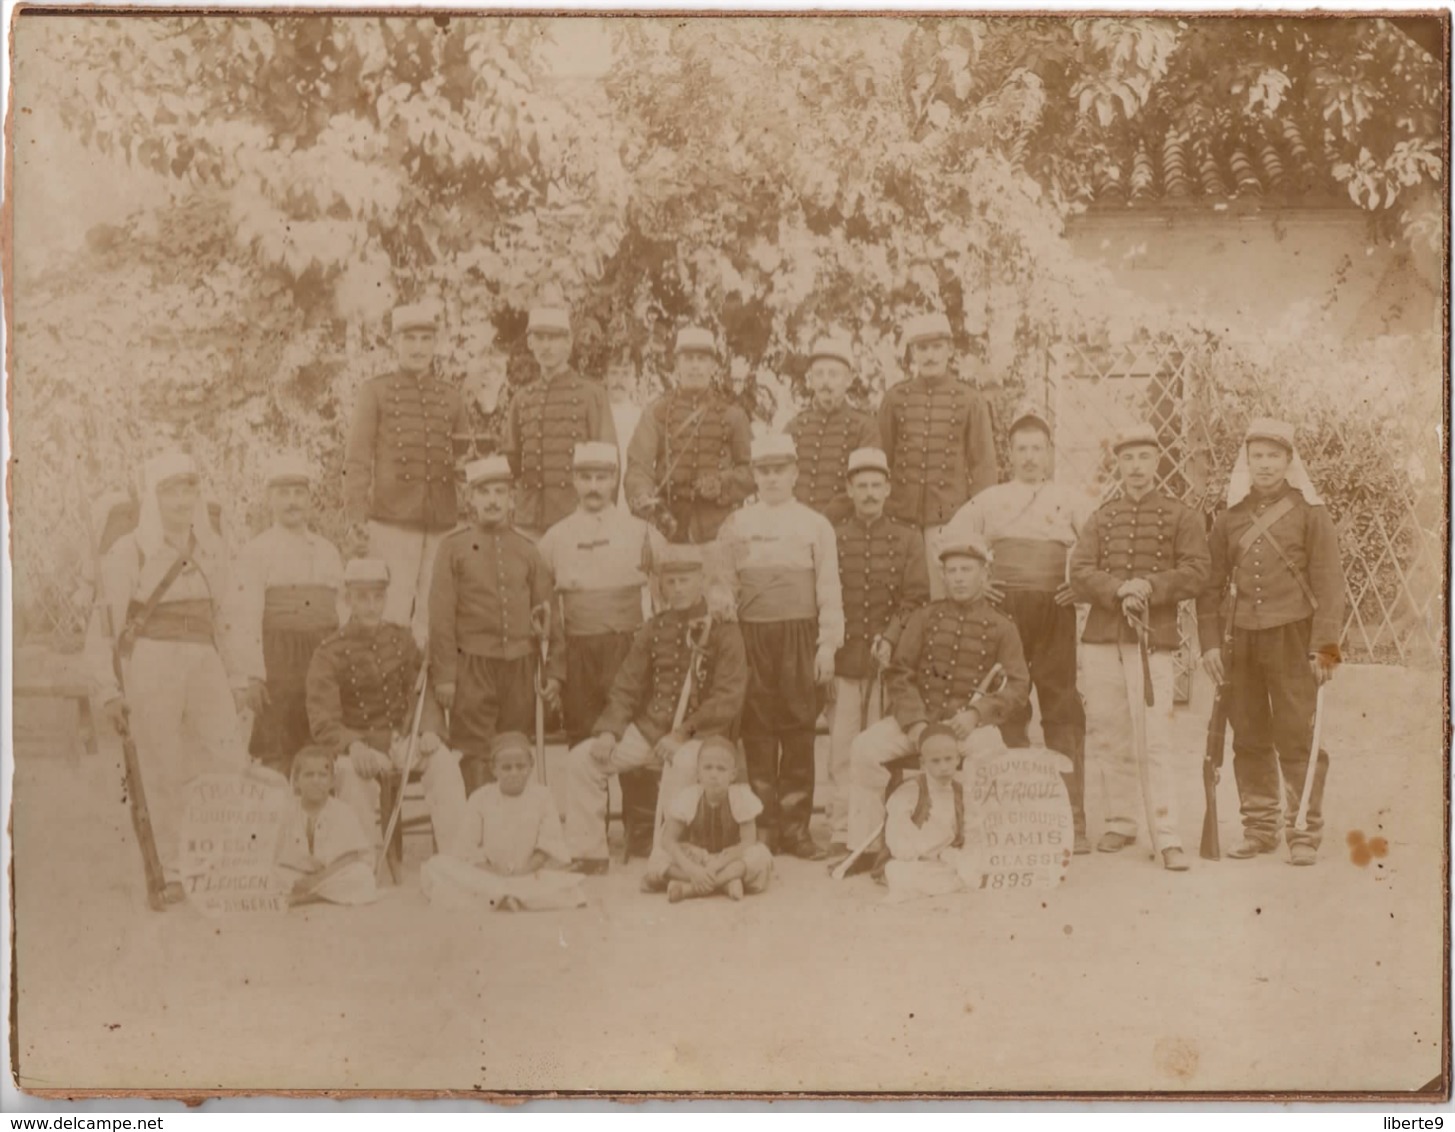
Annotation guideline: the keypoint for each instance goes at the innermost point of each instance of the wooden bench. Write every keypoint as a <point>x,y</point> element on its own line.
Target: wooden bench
<point>80,695</point>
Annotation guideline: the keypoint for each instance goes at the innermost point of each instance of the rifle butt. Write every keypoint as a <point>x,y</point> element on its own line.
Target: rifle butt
<point>141,824</point>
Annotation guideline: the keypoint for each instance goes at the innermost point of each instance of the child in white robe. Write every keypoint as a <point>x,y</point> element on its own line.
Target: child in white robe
<point>504,847</point>
<point>323,854</point>
<point>924,824</point>
<point>709,841</point>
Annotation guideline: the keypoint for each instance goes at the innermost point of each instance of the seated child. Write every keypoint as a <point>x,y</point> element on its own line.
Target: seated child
<point>504,846</point>
<point>322,851</point>
<point>709,841</point>
<point>924,824</point>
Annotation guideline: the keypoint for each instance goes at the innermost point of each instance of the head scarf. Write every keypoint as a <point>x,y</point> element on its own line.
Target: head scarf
<point>1240,482</point>
<point>157,471</point>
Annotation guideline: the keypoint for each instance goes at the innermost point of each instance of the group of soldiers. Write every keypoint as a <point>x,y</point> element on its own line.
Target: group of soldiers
<point>872,569</point>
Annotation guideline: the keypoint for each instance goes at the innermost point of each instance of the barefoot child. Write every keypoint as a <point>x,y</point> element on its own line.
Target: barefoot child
<point>710,837</point>
<point>504,846</point>
<point>323,852</point>
<point>925,823</point>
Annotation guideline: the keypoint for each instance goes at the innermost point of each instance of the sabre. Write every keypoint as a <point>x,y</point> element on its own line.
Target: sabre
<point>409,752</point>
<point>1300,823</point>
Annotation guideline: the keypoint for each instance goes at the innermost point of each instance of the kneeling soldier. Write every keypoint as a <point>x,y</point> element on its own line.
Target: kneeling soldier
<point>1278,544</point>
<point>945,652</point>
<point>683,680</point>
<point>1137,557</point>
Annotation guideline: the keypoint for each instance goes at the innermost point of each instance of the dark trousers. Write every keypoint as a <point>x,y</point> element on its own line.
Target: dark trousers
<point>281,729</point>
<point>1272,714</point>
<point>1048,638</point>
<point>779,717</point>
<point>591,665</point>
<point>491,696</point>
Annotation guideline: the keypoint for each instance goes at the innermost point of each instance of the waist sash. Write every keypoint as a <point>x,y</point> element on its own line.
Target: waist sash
<point>591,612</point>
<point>187,621</point>
<point>777,593</point>
<point>1029,564</point>
<point>300,609</point>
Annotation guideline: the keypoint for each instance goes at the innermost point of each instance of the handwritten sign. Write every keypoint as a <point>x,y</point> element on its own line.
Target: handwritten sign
<point>230,831</point>
<point>1018,818</point>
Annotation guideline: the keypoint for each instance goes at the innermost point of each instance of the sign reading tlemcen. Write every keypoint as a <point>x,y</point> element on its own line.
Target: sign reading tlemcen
<point>230,833</point>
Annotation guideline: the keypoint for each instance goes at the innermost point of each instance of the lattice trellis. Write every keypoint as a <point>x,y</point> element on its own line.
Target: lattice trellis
<point>1388,511</point>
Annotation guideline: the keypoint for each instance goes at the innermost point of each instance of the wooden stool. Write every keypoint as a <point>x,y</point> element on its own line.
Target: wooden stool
<point>81,695</point>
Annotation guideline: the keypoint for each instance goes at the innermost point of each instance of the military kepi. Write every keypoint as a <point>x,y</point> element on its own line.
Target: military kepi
<point>775,448</point>
<point>696,339</point>
<point>1266,428</point>
<point>366,572</point>
<point>867,460</point>
<point>1031,416</point>
<point>286,469</point>
<point>170,466</point>
<point>595,456</point>
<point>554,320</point>
<point>830,346</point>
<point>487,470</point>
<point>926,328</point>
<point>415,316</point>
<point>1134,436</point>
<point>965,545</point>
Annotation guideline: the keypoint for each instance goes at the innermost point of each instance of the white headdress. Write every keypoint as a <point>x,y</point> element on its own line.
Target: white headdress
<point>156,472</point>
<point>1279,432</point>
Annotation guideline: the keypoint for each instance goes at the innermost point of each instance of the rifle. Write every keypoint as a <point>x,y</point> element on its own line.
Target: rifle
<point>1217,734</point>
<point>541,621</point>
<point>410,750</point>
<point>141,818</point>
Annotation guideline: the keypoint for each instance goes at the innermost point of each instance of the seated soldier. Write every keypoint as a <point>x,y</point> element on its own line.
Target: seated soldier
<point>946,651</point>
<point>360,688</point>
<point>683,680</point>
<point>503,846</point>
<point>709,837</point>
<point>322,852</point>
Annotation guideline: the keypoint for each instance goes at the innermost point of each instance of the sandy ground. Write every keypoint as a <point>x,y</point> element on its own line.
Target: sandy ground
<point>1237,976</point>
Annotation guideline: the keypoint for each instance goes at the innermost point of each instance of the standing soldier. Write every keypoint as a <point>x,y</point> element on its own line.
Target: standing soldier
<point>360,689</point>
<point>1278,544</point>
<point>601,557</point>
<point>161,589</point>
<point>884,579</point>
<point>946,650</point>
<point>936,431</point>
<point>1030,526</point>
<point>489,607</point>
<point>783,564</point>
<point>687,464</point>
<point>1137,557</point>
<point>286,593</point>
<point>682,680</point>
<point>399,465</point>
<point>545,422</point>
<point>828,430</point>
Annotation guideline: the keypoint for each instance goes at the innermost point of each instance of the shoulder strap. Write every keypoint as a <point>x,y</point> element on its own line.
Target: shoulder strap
<point>135,623</point>
<point>1262,528</point>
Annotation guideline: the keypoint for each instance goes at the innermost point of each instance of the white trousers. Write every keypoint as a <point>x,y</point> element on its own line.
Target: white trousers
<point>1130,743</point>
<point>409,554</point>
<point>869,776</point>
<point>586,781</point>
<point>451,882</point>
<point>360,795</point>
<point>951,872</point>
<point>184,723</point>
<point>844,715</point>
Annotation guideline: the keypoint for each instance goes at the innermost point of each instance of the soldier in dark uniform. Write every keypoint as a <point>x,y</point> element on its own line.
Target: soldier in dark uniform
<point>944,652</point>
<point>545,422</point>
<point>490,594</point>
<point>359,689</point>
<point>936,431</point>
<point>399,465</point>
<point>828,430</point>
<point>688,462</point>
<point>1277,542</point>
<point>883,578</point>
<point>1137,557</point>
<point>636,729</point>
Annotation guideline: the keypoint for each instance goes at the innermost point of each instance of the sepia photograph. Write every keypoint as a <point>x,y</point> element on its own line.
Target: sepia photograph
<point>737,554</point>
